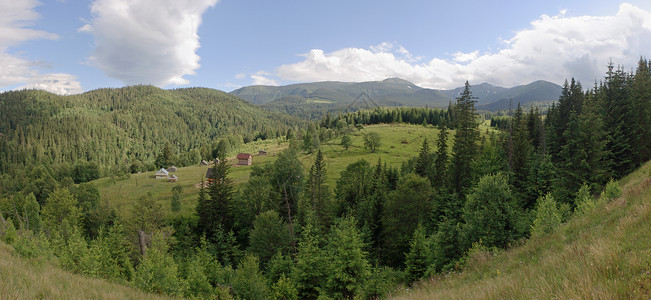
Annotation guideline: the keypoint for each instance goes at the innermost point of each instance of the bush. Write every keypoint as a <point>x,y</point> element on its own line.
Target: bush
<point>613,191</point>
<point>548,217</point>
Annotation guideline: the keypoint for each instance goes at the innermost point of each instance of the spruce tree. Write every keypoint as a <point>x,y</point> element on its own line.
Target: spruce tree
<point>465,146</point>
<point>215,211</point>
<point>348,268</point>
<point>423,161</point>
<point>417,259</point>
<point>317,190</point>
<point>441,163</point>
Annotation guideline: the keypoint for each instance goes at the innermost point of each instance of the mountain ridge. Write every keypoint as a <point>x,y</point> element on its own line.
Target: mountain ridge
<point>336,95</point>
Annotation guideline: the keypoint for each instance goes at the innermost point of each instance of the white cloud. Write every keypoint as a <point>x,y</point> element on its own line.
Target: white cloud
<point>146,41</point>
<point>465,57</point>
<point>15,19</point>
<point>553,48</point>
<point>261,78</point>
<point>58,83</point>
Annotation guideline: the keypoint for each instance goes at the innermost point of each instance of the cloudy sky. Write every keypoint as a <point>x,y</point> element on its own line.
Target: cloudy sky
<point>71,46</point>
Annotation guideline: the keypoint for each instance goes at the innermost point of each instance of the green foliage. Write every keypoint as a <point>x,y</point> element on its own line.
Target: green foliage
<point>613,191</point>
<point>248,282</point>
<point>117,127</point>
<point>215,211</point>
<point>24,209</point>
<point>309,272</point>
<point>417,259</point>
<point>269,236</point>
<point>346,141</point>
<point>286,178</point>
<point>584,200</point>
<point>7,231</point>
<point>348,270</point>
<point>158,272</point>
<point>373,141</point>
<point>406,207</point>
<point>317,191</point>
<point>60,211</point>
<point>198,284</point>
<point>424,161</point>
<point>465,146</point>
<point>491,213</point>
<point>176,198</point>
<point>548,217</point>
<point>284,289</point>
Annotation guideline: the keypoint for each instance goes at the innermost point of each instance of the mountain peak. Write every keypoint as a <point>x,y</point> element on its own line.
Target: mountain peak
<point>397,80</point>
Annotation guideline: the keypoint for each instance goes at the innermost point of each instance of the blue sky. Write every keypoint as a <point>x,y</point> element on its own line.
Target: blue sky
<point>71,46</point>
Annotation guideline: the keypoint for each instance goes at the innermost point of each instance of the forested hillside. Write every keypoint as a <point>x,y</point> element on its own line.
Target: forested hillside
<point>115,128</point>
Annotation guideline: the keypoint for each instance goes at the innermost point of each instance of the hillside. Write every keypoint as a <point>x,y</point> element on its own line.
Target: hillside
<point>114,128</point>
<point>25,279</point>
<point>602,255</point>
<point>313,100</point>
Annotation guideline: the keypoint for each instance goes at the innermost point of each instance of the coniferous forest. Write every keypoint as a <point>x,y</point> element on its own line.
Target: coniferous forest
<point>286,234</point>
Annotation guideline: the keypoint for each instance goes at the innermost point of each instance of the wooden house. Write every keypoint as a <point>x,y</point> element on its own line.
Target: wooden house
<point>172,169</point>
<point>162,174</point>
<point>262,152</point>
<point>244,159</point>
<point>173,178</point>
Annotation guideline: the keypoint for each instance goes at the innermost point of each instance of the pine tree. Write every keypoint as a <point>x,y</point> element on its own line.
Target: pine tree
<point>417,260</point>
<point>309,271</point>
<point>441,163</point>
<point>317,190</point>
<point>465,146</point>
<point>641,98</point>
<point>423,162</point>
<point>215,211</point>
<point>348,268</point>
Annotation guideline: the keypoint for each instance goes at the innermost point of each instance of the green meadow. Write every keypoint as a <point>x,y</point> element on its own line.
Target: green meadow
<point>399,142</point>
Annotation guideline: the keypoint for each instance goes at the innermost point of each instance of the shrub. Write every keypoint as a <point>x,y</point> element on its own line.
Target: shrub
<point>548,218</point>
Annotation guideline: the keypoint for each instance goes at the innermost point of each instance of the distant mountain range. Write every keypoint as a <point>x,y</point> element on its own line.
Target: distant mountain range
<point>314,99</point>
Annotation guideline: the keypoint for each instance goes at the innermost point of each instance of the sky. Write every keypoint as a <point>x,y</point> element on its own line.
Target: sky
<point>73,46</point>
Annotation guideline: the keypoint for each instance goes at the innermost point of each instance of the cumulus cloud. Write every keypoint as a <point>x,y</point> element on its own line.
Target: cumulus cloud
<point>15,19</point>
<point>146,41</point>
<point>261,78</point>
<point>552,48</point>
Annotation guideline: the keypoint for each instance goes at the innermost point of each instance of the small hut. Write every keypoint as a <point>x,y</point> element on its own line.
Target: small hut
<point>173,178</point>
<point>203,163</point>
<point>162,174</point>
<point>244,159</point>
<point>262,152</point>
<point>172,169</point>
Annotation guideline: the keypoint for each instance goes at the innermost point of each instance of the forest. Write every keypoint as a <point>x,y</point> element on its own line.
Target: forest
<point>286,234</point>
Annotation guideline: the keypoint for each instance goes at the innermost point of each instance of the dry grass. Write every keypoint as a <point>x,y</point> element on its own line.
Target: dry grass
<point>22,279</point>
<point>605,254</point>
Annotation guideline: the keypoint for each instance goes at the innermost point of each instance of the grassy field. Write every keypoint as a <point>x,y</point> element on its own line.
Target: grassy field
<point>399,143</point>
<point>605,254</point>
<point>23,279</point>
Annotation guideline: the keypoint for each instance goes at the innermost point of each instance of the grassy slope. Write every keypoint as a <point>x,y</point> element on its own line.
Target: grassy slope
<point>605,254</point>
<point>121,193</point>
<point>22,279</point>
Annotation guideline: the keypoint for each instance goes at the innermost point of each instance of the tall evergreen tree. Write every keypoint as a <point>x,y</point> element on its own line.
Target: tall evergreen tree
<point>424,161</point>
<point>641,98</point>
<point>465,146</point>
<point>441,163</point>
<point>619,120</point>
<point>317,190</point>
<point>215,212</point>
<point>348,268</point>
<point>417,259</point>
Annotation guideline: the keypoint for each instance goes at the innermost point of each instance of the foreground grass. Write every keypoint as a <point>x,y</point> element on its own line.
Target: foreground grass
<point>605,254</point>
<point>24,279</point>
